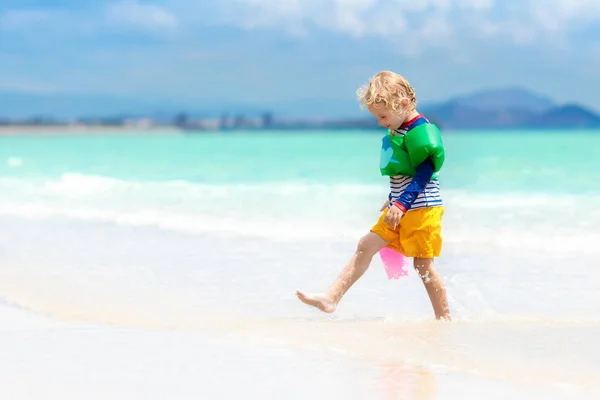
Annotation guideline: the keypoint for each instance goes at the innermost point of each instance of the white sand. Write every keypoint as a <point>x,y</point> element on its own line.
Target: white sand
<point>43,358</point>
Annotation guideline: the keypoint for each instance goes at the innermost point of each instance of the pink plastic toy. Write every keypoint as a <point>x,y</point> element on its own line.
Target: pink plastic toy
<point>396,265</point>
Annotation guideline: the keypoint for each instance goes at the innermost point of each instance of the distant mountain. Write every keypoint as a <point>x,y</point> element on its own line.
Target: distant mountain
<point>505,100</point>
<point>567,116</point>
<point>509,108</point>
<point>454,115</point>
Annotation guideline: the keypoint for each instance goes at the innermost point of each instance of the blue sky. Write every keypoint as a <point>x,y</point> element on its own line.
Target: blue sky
<point>269,51</point>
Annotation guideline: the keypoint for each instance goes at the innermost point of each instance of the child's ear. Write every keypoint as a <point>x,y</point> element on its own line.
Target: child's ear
<point>404,103</point>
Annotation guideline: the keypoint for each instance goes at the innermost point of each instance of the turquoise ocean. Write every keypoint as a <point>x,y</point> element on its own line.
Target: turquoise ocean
<point>142,265</point>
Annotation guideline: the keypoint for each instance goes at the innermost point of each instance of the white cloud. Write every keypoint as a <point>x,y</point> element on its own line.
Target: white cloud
<point>348,16</point>
<point>425,22</point>
<point>23,19</point>
<point>133,13</point>
<point>414,24</point>
<point>128,13</point>
<point>42,24</point>
<point>548,22</point>
<point>564,15</point>
<point>476,4</point>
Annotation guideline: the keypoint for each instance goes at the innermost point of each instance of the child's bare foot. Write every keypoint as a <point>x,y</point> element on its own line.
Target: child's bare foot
<point>319,301</point>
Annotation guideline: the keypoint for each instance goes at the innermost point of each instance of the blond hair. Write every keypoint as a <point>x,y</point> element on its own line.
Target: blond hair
<point>389,88</point>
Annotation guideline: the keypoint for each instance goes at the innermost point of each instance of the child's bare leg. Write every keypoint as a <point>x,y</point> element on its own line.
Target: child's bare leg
<point>434,286</point>
<point>327,302</point>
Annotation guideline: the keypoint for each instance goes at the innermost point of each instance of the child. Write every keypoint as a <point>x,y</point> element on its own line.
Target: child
<point>412,154</point>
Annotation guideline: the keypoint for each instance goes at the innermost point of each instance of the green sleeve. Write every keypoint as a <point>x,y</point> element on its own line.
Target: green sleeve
<point>425,141</point>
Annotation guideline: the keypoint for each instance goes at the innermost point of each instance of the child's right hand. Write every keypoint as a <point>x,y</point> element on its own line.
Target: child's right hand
<point>385,205</point>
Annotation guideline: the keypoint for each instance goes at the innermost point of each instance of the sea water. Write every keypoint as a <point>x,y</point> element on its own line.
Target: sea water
<point>165,265</point>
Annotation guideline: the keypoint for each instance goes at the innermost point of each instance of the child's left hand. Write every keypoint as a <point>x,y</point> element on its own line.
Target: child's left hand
<point>392,218</point>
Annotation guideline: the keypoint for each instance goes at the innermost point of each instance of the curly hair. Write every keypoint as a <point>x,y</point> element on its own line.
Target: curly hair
<point>389,88</point>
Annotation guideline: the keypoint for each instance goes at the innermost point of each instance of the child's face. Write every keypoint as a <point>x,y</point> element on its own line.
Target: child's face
<point>386,117</point>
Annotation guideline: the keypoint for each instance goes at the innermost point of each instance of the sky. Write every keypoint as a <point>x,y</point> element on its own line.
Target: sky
<point>270,51</point>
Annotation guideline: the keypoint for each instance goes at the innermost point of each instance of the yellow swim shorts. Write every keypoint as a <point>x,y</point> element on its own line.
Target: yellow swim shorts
<point>418,234</point>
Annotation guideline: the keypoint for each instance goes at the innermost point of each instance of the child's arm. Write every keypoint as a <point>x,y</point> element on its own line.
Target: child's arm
<point>422,176</point>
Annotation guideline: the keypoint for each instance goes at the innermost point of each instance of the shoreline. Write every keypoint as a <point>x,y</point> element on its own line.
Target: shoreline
<point>59,130</point>
<point>67,130</point>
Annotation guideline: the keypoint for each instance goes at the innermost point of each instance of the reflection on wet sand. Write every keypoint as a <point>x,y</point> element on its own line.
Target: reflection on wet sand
<point>400,381</point>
